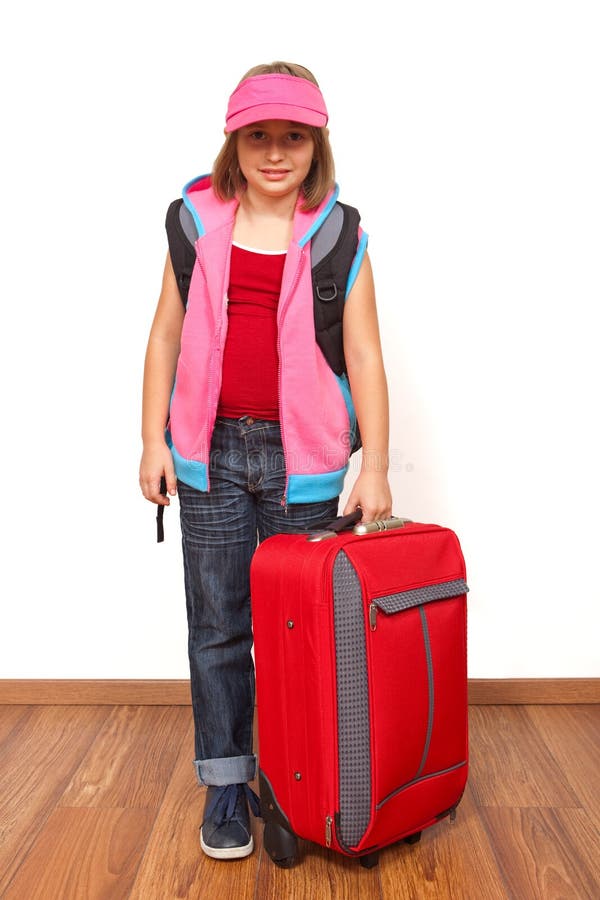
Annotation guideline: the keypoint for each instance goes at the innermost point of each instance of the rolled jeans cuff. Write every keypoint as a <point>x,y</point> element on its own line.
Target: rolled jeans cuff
<point>228,770</point>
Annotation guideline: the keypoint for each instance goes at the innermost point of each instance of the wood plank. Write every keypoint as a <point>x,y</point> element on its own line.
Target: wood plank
<point>96,691</point>
<point>319,874</point>
<point>91,853</point>
<point>534,758</point>
<point>510,764</point>
<point>131,760</point>
<point>176,692</point>
<point>451,860</point>
<point>572,734</point>
<point>38,761</point>
<point>12,717</point>
<point>173,865</point>
<point>545,854</point>
<point>533,690</point>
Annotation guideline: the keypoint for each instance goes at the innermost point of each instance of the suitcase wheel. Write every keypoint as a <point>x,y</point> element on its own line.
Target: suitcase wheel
<point>369,860</point>
<point>413,838</point>
<point>281,845</point>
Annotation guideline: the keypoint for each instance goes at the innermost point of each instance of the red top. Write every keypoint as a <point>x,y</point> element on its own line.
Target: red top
<point>250,361</point>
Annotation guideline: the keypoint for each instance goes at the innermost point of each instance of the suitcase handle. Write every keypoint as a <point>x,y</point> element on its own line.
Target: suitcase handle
<point>334,526</point>
<point>351,521</point>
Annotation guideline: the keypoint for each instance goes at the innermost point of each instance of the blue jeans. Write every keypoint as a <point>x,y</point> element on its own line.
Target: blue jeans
<point>219,535</point>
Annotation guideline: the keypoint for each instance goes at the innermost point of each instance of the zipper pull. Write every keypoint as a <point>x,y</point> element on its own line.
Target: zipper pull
<point>453,815</point>
<point>373,616</point>
<point>328,823</point>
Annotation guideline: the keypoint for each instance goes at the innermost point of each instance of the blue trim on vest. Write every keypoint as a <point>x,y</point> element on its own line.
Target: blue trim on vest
<point>344,386</point>
<point>312,488</point>
<point>190,471</point>
<point>189,205</point>
<point>362,247</point>
<point>317,224</point>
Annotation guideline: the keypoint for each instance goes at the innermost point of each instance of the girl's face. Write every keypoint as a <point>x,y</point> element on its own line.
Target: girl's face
<point>275,156</point>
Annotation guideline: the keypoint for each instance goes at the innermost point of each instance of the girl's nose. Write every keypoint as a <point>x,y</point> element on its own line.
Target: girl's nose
<point>274,150</point>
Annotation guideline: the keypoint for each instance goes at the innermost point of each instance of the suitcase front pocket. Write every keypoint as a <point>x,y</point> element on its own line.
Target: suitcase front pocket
<point>401,694</point>
<point>418,659</point>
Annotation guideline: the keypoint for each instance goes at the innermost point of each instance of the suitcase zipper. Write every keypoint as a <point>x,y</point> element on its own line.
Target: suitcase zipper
<point>394,603</point>
<point>373,616</point>
<point>328,824</point>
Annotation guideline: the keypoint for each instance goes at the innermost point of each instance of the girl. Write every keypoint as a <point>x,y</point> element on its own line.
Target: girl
<point>258,435</point>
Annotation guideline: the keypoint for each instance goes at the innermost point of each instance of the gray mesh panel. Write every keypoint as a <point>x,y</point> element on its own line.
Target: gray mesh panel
<point>353,703</point>
<point>405,599</point>
<point>187,223</point>
<point>326,237</point>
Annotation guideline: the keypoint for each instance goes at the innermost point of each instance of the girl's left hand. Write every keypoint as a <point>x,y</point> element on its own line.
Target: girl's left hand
<point>372,493</point>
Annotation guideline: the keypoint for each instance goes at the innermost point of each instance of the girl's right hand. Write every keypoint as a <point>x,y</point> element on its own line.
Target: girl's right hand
<point>156,462</point>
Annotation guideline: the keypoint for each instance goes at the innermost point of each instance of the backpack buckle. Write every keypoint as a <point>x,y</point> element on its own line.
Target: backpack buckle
<point>332,287</point>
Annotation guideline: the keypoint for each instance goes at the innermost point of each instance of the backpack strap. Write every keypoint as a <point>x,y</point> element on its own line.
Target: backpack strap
<point>181,235</point>
<point>160,511</point>
<point>332,252</point>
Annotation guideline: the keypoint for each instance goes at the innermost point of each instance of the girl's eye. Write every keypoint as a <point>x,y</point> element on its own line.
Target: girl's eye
<point>294,137</point>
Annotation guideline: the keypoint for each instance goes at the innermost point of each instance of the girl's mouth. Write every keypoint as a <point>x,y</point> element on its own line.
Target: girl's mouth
<point>274,174</point>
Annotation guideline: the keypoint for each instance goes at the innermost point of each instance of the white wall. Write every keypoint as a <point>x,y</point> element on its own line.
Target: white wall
<point>468,136</point>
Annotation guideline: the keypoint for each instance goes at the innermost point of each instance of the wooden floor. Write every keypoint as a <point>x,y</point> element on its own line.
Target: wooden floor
<point>101,802</point>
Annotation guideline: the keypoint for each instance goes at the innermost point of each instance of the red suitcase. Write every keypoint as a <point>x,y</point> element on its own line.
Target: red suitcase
<point>361,685</point>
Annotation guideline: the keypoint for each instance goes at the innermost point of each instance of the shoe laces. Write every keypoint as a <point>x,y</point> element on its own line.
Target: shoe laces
<point>221,809</point>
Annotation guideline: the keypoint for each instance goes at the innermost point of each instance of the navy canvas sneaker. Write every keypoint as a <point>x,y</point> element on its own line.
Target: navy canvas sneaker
<point>225,832</point>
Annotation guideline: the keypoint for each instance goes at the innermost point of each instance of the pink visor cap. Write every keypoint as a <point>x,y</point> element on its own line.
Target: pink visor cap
<point>263,97</point>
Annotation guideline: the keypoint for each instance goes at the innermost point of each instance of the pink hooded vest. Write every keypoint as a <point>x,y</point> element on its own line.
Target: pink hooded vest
<point>316,413</point>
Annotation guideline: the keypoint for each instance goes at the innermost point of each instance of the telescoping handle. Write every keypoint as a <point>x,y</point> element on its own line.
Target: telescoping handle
<point>351,522</point>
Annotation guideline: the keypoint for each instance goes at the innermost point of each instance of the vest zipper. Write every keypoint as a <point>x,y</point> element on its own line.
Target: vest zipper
<point>210,372</point>
<point>213,368</point>
<point>282,305</point>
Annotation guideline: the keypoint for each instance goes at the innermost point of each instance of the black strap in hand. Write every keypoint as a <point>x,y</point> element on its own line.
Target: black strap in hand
<point>160,531</point>
<point>341,523</point>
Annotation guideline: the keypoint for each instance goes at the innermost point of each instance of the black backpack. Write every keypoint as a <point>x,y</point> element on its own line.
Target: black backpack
<point>333,248</point>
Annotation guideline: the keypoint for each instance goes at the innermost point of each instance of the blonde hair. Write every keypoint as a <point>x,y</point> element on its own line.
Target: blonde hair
<point>227,178</point>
